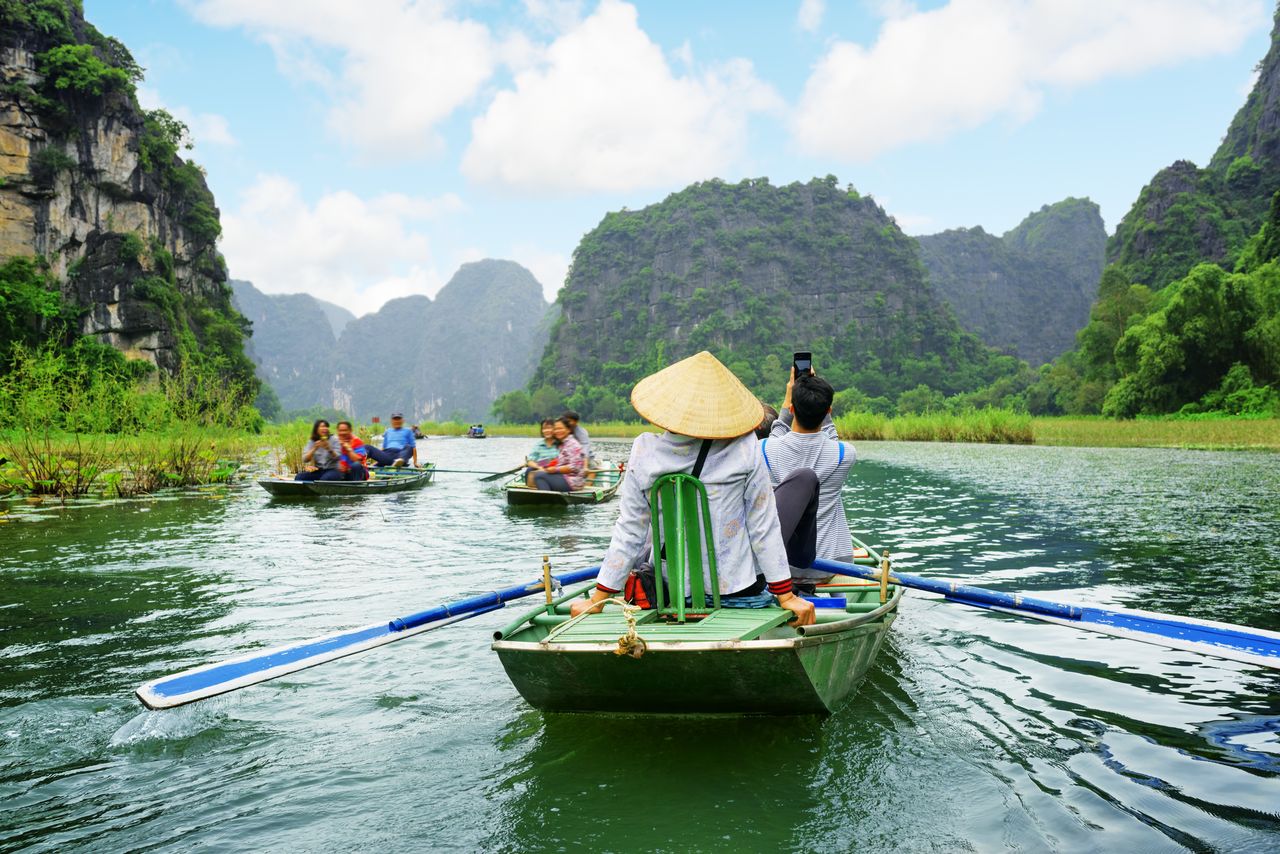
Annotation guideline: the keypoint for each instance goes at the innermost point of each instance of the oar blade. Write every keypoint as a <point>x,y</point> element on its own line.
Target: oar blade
<point>210,680</point>
<point>1207,637</point>
<point>499,474</point>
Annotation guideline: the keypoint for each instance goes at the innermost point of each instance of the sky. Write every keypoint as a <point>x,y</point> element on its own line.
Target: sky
<point>362,151</point>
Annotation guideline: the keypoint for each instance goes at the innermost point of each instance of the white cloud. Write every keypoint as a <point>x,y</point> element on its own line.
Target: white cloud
<point>204,128</point>
<point>604,111</point>
<point>934,73</point>
<point>353,251</point>
<point>809,18</point>
<point>394,69</point>
<point>556,15</point>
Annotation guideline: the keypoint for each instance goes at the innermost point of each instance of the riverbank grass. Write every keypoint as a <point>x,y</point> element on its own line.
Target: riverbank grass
<point>1258,434</point>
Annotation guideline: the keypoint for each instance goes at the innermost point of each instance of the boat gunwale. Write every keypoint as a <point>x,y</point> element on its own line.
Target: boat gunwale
<point>885,613</point>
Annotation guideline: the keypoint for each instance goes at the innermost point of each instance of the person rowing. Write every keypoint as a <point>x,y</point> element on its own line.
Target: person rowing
<point>571,418</point>
<point>709,417</point>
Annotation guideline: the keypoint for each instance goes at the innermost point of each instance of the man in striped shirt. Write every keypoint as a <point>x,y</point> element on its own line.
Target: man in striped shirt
<point>804,437</point>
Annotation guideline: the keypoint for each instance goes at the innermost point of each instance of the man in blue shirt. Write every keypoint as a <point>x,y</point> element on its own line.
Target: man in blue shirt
<point>398,445</point>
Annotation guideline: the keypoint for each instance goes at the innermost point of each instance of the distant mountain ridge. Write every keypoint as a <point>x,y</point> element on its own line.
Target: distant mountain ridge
<point>752,272</point>
<point>1029,291</point>
<point>293,343</point>
<point>431,359</point>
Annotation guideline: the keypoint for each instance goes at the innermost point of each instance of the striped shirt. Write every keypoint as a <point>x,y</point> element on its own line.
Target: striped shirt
<point>580,433</point>
<point>785,451</point>
<point>745,528</point>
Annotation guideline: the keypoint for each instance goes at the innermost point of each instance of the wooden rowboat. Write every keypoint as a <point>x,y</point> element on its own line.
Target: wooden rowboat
<point>381,482</point>
<point>691,653</point>
<point>728,660</point>
<point>604,487</point>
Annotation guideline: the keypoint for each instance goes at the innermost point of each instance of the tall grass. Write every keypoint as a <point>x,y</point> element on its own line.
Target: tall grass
<point>1210,433</point>
<point>998,426</point>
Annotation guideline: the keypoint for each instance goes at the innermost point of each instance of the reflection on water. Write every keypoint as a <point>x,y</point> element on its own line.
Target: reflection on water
<point>975,731</point>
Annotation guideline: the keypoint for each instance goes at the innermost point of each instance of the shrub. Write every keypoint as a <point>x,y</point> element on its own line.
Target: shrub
<point>131,247</point>
<point>48,162</point>
<point>76,69</point>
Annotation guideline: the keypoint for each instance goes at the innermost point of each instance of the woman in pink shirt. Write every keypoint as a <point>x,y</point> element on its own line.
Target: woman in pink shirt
<point>566,473</point>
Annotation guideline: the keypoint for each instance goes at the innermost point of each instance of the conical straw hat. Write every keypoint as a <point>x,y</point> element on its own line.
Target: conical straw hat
<point>698,397</point>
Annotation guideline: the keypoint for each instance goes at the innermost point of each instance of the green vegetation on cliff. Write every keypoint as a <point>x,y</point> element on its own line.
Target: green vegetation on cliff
<point>752,272</point>
<point>1187,317</point>
<point>159,292</point>
<point>1029,291</point>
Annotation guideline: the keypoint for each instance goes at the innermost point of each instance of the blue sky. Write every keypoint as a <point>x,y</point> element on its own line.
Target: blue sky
<point>362,151</point>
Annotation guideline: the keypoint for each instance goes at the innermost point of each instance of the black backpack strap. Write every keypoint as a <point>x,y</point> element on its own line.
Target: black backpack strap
<point>702,457</point>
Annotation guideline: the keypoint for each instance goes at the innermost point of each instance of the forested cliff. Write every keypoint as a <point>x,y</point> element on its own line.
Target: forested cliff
<point>1028,291</point>
<point>105,231</point>
<point>1188,309</point>
<point>752,272</point>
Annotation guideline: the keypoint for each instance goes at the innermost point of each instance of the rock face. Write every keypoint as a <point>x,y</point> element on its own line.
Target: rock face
<point>1188,215</point>
<point>1029,291</point>
<point>131,241</point>
<point>751,272</point>
<point>431,359</point>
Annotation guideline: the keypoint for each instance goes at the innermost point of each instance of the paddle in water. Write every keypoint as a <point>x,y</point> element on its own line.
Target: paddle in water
<point>1220,640</point>
<point>209,680</point>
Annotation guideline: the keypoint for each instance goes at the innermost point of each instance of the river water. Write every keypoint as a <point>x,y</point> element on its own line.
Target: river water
<point>975,731</point>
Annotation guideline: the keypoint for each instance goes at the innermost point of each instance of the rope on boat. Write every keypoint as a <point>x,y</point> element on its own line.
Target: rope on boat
<point>628,644</point>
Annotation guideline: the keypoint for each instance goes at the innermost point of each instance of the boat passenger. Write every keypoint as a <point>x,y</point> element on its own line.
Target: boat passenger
<point>572,418</point>
<point>543,453</point>
<point>398,445</point>
<point>709,417</point>
<point>564,474</point>
<point>321,454</point>
<point>804,438</point>
<point>766,423</point>
<point>354,451</point>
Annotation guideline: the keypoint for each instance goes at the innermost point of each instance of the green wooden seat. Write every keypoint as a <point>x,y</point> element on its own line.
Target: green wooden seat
<point>681,513</point>
<point>681,519</point>
<point>722,625</point>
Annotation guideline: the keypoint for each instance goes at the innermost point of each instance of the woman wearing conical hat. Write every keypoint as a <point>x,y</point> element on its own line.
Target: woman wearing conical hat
<point>694,400</point>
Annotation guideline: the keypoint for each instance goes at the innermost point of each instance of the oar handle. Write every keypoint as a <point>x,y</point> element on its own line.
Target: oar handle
<point>955,590</point>
<point>487,600</point>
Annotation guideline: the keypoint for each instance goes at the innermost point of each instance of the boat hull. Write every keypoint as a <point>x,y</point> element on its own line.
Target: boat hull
<point>519,495</point>
<point>769,676</point>
<point>399,481</point>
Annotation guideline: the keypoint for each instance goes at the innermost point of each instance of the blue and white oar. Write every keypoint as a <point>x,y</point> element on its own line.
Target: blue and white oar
<point>1221,640</point>
<point>209,680</point>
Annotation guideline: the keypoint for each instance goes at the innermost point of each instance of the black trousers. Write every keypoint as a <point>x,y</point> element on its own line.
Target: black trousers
<point>797,500</point>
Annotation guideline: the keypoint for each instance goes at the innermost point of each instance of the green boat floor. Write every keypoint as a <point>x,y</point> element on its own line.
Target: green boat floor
<point>723,625</point>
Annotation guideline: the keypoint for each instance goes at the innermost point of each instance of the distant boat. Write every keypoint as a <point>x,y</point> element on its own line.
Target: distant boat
<point>382,481</point>
<point>597,491</point>
<point>476,431</point>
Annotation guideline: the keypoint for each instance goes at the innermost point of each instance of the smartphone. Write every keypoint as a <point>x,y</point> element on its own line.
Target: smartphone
<point>802,362</point>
